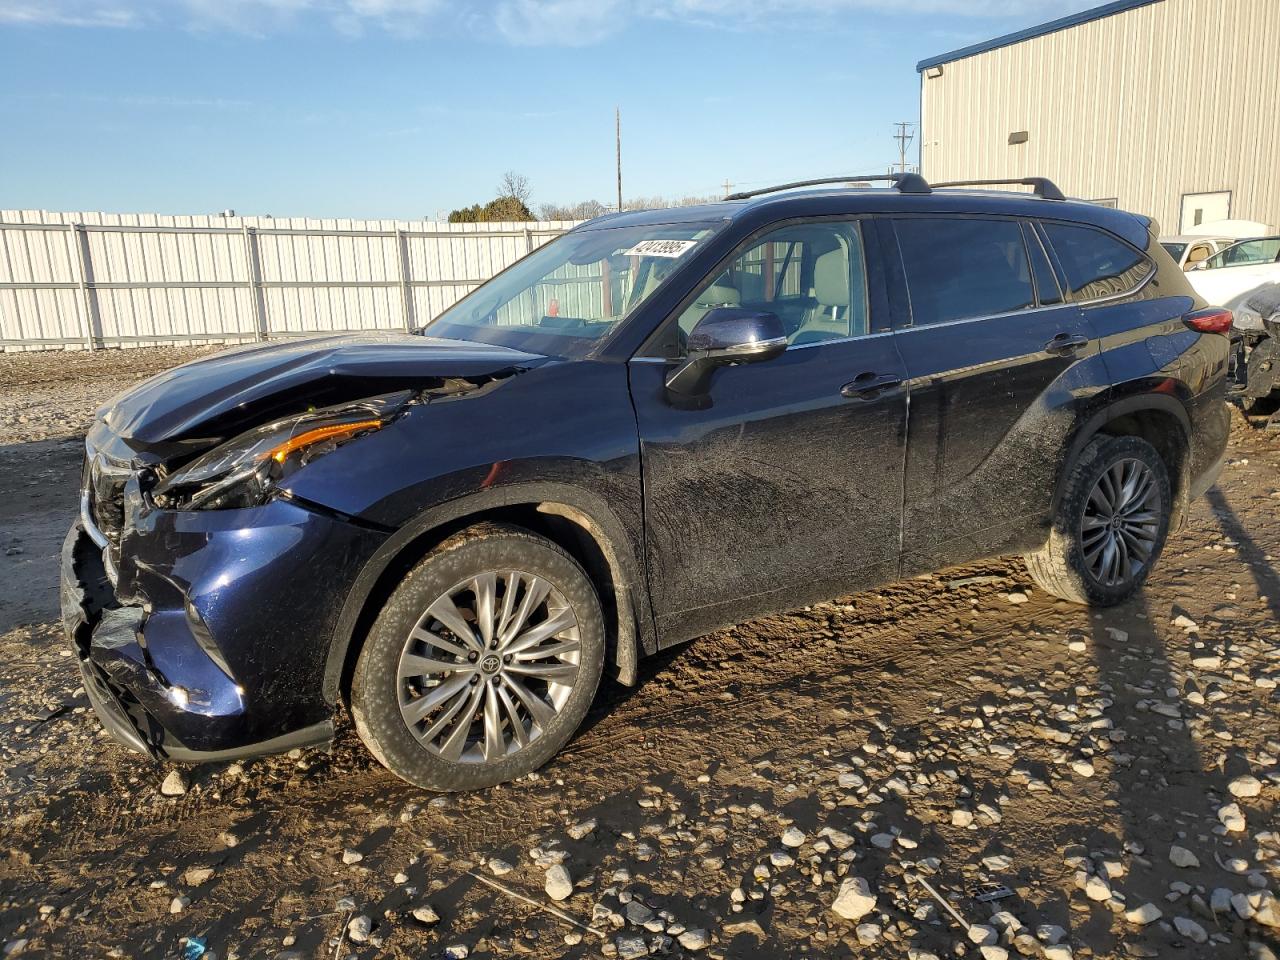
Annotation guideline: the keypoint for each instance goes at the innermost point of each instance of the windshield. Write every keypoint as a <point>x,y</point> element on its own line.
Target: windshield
<point>1265,250</point>
<point>1175,249</point>
<point>568,294</point>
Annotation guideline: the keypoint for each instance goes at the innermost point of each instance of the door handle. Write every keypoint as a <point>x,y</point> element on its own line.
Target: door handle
<point>1066,343</point>
<point>869,385</point>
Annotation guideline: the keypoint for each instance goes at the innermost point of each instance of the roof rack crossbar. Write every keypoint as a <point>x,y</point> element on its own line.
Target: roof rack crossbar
<point>905,182</point>
<point>1045,188</point>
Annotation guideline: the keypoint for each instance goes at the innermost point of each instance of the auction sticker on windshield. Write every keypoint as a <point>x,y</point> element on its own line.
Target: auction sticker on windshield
<point>660,248</point>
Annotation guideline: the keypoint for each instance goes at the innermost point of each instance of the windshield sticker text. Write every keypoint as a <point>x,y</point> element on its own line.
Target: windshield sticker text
<point>660,248</point>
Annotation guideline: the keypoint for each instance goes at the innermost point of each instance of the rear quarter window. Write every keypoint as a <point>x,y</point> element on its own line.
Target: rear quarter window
<point>1096,264</point>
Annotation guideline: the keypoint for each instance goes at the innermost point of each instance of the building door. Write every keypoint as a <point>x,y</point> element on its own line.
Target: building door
<point>1198,208</point>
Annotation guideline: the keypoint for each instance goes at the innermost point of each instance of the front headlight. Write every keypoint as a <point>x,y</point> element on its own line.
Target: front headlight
<point>245,471</point>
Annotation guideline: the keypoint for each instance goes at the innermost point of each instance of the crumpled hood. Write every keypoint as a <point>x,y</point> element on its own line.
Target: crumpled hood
<point>219,396</point>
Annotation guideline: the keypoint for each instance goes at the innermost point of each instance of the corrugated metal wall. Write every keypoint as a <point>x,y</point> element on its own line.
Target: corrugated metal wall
<point>81,279</point>
<point>1143,106</point>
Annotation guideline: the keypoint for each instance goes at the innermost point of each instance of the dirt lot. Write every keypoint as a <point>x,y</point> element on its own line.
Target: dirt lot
<point>1118,772</point>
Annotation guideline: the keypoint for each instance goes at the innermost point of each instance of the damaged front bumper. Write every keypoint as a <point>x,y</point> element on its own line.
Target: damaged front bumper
<point>208,641</point>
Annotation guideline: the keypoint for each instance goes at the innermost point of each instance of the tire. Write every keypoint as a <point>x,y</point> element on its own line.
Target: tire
<point>1073,563</point>
<point>437,703</point>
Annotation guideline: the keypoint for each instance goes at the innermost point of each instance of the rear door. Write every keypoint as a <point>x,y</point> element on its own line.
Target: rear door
<point>990,348</point>
<point>783,484</point>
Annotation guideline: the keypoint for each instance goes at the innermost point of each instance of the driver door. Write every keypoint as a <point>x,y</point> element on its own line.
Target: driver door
<point>783,483</point>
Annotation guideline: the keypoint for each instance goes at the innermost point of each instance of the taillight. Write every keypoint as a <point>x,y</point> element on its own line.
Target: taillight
<point>1213,320</point>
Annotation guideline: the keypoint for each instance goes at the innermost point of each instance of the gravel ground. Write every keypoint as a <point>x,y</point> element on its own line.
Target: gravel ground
<point>793,787</point>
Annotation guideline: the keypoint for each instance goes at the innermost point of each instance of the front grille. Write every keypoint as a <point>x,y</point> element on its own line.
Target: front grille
<point>104,485</point>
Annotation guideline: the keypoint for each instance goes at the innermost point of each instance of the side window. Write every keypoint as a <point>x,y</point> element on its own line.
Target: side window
<point>1047,290</point>
<point>1096,264</point>
<point>813,276</point>
<point>961,268</point>
<point>1253,251</point>
<point>1199,252</point>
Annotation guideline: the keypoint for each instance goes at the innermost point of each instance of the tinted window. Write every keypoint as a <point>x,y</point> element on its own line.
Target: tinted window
<point>1047,288</point>
<point>963,268</point>
<point>813,276</point>
<point>1096,264</point>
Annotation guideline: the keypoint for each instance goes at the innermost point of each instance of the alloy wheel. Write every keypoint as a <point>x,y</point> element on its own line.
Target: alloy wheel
<point>489,666</point>
<point>1121,522</point>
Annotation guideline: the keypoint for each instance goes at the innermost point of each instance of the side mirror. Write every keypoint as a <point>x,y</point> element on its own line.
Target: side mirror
<point>726,337</point>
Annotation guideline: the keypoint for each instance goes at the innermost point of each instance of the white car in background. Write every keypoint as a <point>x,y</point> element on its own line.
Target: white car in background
<point>1189,250</point>
<point>1227,277</point>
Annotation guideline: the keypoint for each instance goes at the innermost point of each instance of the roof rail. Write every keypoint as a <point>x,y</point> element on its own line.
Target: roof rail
<point>905,182</point>
<point>1045,188</point>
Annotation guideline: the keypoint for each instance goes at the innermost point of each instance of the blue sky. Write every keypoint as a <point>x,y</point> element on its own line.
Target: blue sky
<point>401,108</point>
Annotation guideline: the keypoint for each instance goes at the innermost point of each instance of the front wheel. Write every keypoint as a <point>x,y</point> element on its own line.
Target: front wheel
<point>1111,524</point>
<point>483,662</point>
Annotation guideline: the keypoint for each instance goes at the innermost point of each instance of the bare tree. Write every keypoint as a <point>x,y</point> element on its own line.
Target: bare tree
<point>515,185</point>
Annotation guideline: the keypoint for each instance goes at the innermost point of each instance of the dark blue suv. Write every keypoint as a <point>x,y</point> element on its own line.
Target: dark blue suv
<point>657,425</point>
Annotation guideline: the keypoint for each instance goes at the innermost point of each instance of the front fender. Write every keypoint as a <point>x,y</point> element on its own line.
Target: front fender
<point>622,550</point>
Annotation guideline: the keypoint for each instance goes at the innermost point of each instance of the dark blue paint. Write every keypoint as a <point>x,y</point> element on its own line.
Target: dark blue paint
<point>777,487</point>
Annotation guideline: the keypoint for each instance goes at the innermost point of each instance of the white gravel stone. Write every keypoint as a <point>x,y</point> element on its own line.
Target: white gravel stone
<point>1232,817</point>
<point>359,928</point>
<point>559,885</point>
<point>1182,857</point>
<point>631,947</point>
<point>1245,787</point>
<point>1190,929</point>
<point>695,939</point>
<point>174,785</point>
<point>1097,889</point>
<point>350,856</point>
<point>869,934</point>
<point>426,914</point>
<point>854,900</point>
<point>499,868</point>
<point>980,933</point>
<point>792,837</point>
<point>1147,913</point>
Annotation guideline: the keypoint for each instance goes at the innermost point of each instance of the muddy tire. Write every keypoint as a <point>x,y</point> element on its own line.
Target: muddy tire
<point>1111,524</point>
<point>483,662</point>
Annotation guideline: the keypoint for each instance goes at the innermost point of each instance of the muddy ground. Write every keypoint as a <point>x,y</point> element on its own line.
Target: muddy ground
<point>963,728</point>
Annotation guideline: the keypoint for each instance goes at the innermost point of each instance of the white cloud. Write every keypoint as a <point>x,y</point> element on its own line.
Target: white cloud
<point>67,13</point>
<point>573,23</point>
<point>562,23</point>
<point>583,22</point>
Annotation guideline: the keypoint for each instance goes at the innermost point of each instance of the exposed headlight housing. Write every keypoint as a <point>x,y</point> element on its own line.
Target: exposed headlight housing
<point>245,471</point>
<point>1249,319</point>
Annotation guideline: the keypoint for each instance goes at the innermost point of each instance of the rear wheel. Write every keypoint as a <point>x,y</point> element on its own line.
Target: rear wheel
<point>1111,524</point>
<point>483,662</point>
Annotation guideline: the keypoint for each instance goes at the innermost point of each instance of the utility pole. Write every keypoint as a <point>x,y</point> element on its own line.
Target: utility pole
<point>728,187</point>
<point>904,136</point>
<point>617,134</point>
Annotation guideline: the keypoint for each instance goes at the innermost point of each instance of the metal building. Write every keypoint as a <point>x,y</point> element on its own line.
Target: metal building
<point>1163,107</point>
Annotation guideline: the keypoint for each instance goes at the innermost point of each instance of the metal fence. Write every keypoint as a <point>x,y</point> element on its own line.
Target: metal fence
<point>91,280</point>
